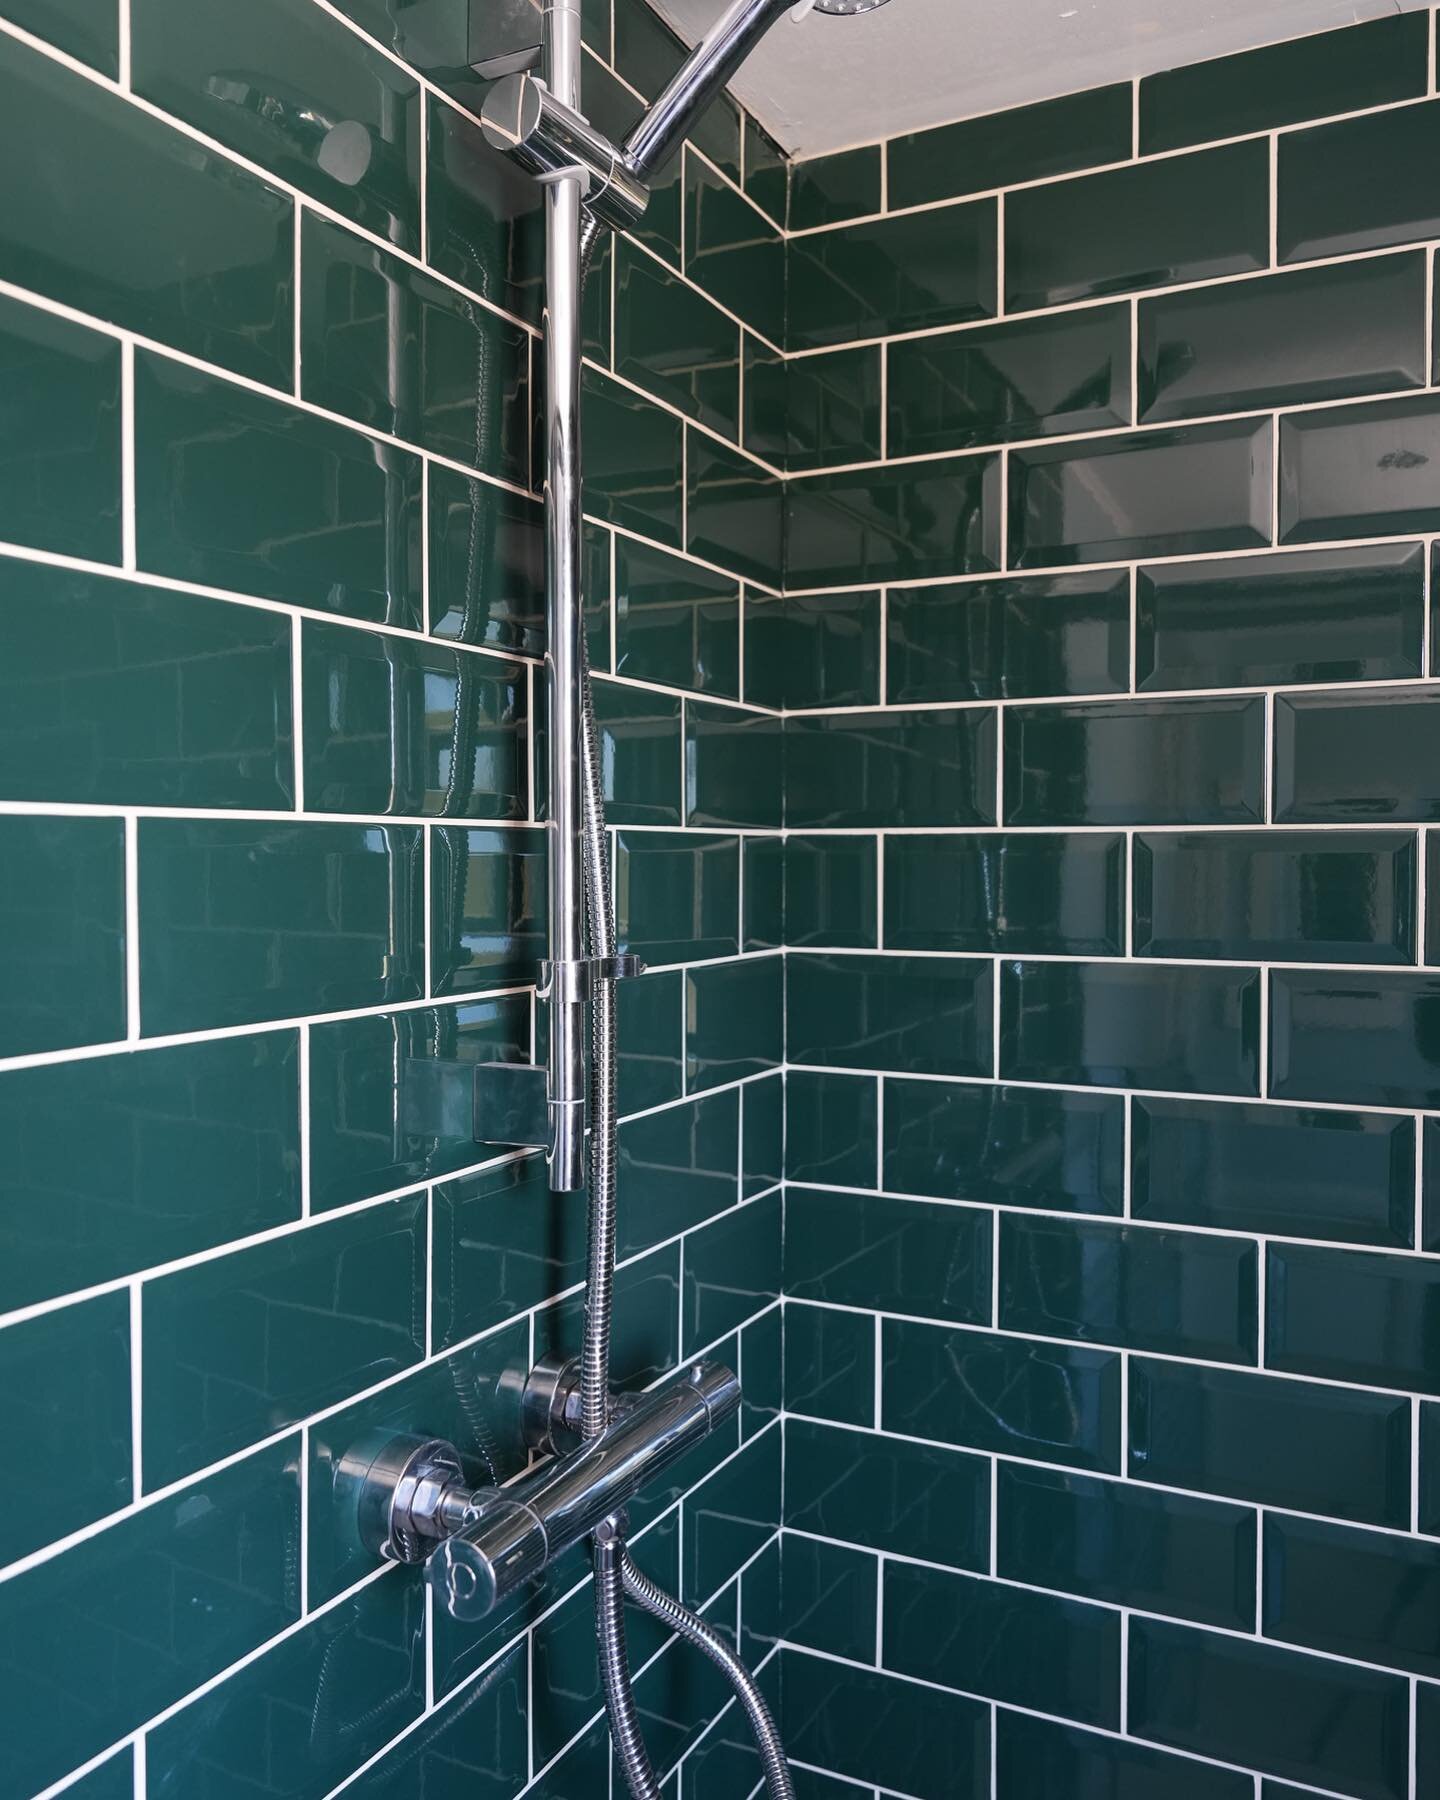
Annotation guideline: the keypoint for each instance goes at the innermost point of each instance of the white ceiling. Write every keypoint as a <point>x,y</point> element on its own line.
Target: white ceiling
<point>827,83</point>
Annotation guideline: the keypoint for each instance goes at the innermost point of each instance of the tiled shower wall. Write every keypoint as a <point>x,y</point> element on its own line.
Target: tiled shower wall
<point>1113,1206</point>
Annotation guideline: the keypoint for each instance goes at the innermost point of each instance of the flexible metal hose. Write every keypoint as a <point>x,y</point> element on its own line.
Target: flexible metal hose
<point>625,1732</point>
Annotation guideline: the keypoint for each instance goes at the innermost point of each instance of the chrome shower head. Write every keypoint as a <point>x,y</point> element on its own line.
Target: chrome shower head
<point>844,8</point>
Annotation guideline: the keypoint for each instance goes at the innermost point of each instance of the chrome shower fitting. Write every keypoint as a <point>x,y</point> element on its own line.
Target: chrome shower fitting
<point>847,8</point>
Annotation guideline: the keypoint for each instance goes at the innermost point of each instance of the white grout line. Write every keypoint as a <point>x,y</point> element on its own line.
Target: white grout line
<point>137,1392</point>
<point>127,456</point>
<point>132,928</point>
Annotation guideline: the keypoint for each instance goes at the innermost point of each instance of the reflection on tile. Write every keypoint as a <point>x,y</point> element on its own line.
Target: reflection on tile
<point>1036,1756</point>
<point>672,342</point>
<point>1351,757</point>
<point>916,522</point>
<point>911,1015</point>
<point>813,650</point>
<point>827,190</point>
<point>806,412</point>
<point>1366,1039</point>
<point>677,895</point>
<point>1012,893</point>
<point>1349,1316</point>
<point>485,223</point>
<point>487,572</point>
<point>641,760</point>
<point>869,1250</point>
<point>732,767</point>
<point>734,511</point>
<point>831,892</point>
<point>675,622</point>
<point>487,908</point>
<point>890,768</point>
<point>1358,184</point>
<point>1359,471</point>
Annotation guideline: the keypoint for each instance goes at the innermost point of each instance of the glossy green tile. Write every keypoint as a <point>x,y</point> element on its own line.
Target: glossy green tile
<point>199,1577</point>
<point>677,896</point>
<point>1352,757</point>
<point>1354,471</point>
<point>182,1150</point>
<point>487,908</point>
<point>485,223</point>
<point>647,1306</point>
<point>1119,1543</point>
<point>1352,1593</point>
<point>888,1494</point>
<point>890,768</point>
<point>830,1364</point>
<point>502,1244</point>
<point>487,570</point>
<point>474,1747</point>
<point>62,917</point>
<point>343,125</point>
<point>732,1271</point>
<point>242,922</point>
<point>916,522</point>
<point>216,275</point>
<point>1034,1756</point>
<point>1283,1170</point>
<point>1315,615</point>
<point>1191,1030</point>
<point>1027,1649</point>
<point>1294,1444</point>
<point>677,1168</point>
<point>762,1148</point>
<point>121,693</point>
<point>1012,1146</point>
<point>733,252</point>
<point>828,1597</point>
<point>1043,1402</point>
<point>895,1255</point>
<point>1289,338</point>
<point>735,512</point>
<point>87,29</point>
<point>1331,72</point>
<point>807,412</point>
<point>767,171</point>
<point>239,490</point>
<point>909,1015</point>
<point>872,1727</point>
<point>65,1403</point>
<point>1270,1709</point>
<point>813,650</point>
<point>641,757</point>
<point>830,1132</point>
<point>762,892</point>
<point>734,1020</point>
<point>671,341</point>
<point>1009,892</point>
<point>1185,218</point>
<point>651,1019</point>
<point>829,190</point>
<point>1278,897</point>
<point>398,350</point>
<point>1428,1518</point>
<point>883,276</point>
<point>1366,1039</point>
<point>1358,184</point>
<point>1029,379</point>
<point>1349,1316</point>
<point>1172,1292</point>
<point>1427,1715</point>
<point>306,1713</point>
<point>1196,489</point>
<point>1024,143</point>
<point>831,886</point>
<point>60,435</point>
<point>732,767</point>
<point>1009,639</point>
<point>729,1517</point>
<point>1137,762</point>
<point>675,622</point>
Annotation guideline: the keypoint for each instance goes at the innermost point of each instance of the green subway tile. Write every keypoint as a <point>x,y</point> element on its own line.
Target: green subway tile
<point>1012,892</point>
<point>647,1307</point>
<point>1190,491</point>
<point>813,650</point>
<point>732,1271</point>
<point>735,512</point>
<point>239,1346</point>
<point>1136,762</point>
<point>733,251</point>
<point>888,1494</point>
<point>1172,1292</point>
<point>806,412</point>
<point>633,461</point>
<point>1356,757</point>
<point>502,1245</point>
<point>1009,639</point>
<point>485,222</point>
<point>398,350</point>
<point>240,490</point>
<point>1190,1030</point>
<point>315,1707</point>
<point>394,726</point>
<point>1029,379</point>
<point>884,276</point>
<point>1270,1709</point>
<point>767,171</point>
<point>677,1168</point>
<point>1045,1402</point>
<point>910,1015</point>
<point>120,693</point>
<point>1128,1545</point>
<point>674,343</point>
<point>343,124</point>
<point>242,922</point>
<point>1427,1716</point>
<point>1428,1518</point>
<point>729,1517</point>
<point>830,1364</point>
<point>916,522</point>
<point>830,1127</point>
<point>1286,339</point>
<point>732,767</point>
<point>199,1578</point>
<point>181,1150</point>
<point>762,1153</point>
<point>1358,184</point>
<point>829,190</point>
<point>1027,1649</point>
<point>1293,1444</point>
<point>891,768</point>
<point>1313,616</point>
<point>1007,1145</point>
<point>60,440</point>
<point>762,892</point>
<point>675,622</point>
<point>734,1020</point>
<point>828,1597</point>
<point>641,757</point>
<point>831,890</point>
<point>1366,1039</point>
<point>65,1403</point>
<point>1034,1756</point>
<point>1353,1593</point>
<point>62,917</point>
<point>1331,72</point>
<point>1351,1316</point>
<point>650,1016</point>
<point>895,1255</point>
<point>487,908</point>
<point>1185,218</point>
<point>1284,1170</point>
<point>385,1110</point>
<point>1025,143</point>
<point>487,564</point>
<point>89,30</point>
<point>647,51</point>
<point>1356,471</point>
<point>217,271</point>
<point>677,896</point>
